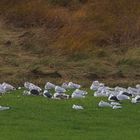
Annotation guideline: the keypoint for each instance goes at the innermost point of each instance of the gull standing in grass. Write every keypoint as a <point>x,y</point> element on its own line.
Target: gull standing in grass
<point>49,86</point>
<point>73,85</point>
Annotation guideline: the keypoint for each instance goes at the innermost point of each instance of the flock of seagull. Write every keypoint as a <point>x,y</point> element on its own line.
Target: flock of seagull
<point>60,91</point>
<point>114,95</point>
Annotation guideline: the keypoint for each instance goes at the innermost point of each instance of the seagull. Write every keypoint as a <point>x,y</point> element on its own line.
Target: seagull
<point>4,108</point>
<point>7,87</point>
<point>77,107</point>
<point>138,86</point>
<point>2,90</point>
<point>136,99</point>
<point>95,85</point>
<point>113,98</point>
<point>116,107</point>
<point>25,92</point>
<point>78,94</point>
<point>31,86</point>
<point>100,94</point>
<point>104,104</point>
<point>73,85</point>
<point>34,92</point>
<point>121,97</point>
<point>65,86</point>
<point>127,94</point>
<point>60,96</point>
<point>47,94</point>
<point>59,89</point>
<point>49,86</point>
<point>133,91</point>
<point>115,103</point>
<point>118,89</point>
<point>82,92</point>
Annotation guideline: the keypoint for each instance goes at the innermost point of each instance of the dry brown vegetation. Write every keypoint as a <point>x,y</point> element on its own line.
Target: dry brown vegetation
<point>60,40</point>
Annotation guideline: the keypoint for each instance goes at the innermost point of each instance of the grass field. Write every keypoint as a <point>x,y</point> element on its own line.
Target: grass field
<point>37,118</point>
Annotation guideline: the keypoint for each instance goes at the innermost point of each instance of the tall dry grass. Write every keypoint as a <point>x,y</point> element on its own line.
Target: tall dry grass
<point>80,23</point>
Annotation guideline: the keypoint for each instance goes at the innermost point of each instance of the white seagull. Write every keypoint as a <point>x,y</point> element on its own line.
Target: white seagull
<point>59,89</point>
<point>73,85</point>
<point>49,86</point>
<point>104,104</point>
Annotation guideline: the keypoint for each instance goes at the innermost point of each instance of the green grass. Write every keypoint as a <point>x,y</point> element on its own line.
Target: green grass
<point>37,118</point>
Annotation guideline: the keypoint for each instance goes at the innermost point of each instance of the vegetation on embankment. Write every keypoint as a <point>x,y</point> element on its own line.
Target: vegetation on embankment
<point>79,40</point>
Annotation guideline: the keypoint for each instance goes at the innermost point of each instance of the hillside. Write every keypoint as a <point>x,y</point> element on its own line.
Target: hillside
<point>79,40</point>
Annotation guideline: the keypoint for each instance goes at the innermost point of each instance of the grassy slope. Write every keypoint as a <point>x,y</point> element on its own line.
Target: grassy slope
<point>82,41</point>
<point>111,65</point>
<point>38,118</point>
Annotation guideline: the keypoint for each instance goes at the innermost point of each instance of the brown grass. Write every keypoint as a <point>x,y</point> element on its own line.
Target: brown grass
<point>100,23</point>
<point>81,40</point>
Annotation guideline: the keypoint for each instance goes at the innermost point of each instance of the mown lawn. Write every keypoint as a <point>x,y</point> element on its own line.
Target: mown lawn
<point>37,118</point>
